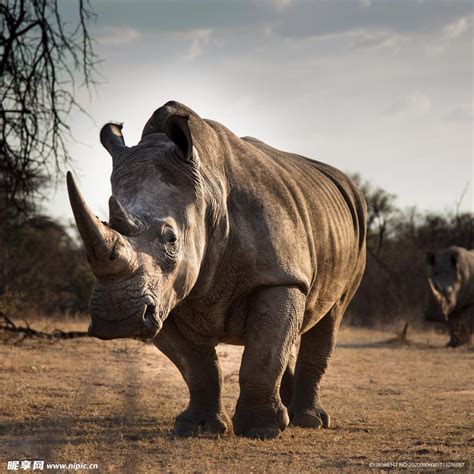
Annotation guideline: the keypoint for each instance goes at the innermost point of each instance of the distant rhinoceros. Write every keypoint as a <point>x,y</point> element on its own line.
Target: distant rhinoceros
<point>451,292</point>
<point>215,238</point>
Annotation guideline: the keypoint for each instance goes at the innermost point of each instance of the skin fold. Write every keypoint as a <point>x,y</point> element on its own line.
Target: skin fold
<point>215,238</point>
<point>451,292</point>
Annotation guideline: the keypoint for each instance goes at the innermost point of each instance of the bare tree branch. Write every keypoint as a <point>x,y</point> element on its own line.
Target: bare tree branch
<point>461,198</point>
<point>8,326</point>
<point>41,54</point>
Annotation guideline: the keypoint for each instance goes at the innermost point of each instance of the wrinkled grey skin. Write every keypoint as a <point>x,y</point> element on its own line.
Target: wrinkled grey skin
<point>451,292</point>
<point>215,238</point>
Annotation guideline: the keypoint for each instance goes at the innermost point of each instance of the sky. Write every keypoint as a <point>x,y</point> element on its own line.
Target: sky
<point>379,87</point>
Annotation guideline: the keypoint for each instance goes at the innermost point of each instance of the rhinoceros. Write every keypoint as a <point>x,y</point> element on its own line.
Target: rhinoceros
<point>451,292</point>
<point>214,239</point>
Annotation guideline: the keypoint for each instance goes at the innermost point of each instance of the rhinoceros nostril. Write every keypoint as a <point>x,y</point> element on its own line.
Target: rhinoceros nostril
<point>151,319</point>
<point>150,312</point>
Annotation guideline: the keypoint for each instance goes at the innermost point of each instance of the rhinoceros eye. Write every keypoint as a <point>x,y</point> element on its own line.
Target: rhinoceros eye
<point>170,240</point>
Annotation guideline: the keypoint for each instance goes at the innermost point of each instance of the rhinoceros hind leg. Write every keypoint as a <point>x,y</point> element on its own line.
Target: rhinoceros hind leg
<point>316,349</point>
<point>315,352</point>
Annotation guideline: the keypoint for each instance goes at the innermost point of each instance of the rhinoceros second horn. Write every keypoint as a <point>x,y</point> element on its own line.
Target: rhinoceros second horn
<point>121,220</point>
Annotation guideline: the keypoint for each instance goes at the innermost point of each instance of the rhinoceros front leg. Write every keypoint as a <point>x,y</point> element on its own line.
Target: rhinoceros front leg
<point>273,322</point>
<point>200,369</point>
<point>460,327</point>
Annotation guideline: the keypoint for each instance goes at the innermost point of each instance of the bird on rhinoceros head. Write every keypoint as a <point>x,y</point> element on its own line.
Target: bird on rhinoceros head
<point>215,238</point>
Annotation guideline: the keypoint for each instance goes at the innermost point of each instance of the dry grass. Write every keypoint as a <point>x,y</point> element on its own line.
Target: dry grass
<point>113,403</point>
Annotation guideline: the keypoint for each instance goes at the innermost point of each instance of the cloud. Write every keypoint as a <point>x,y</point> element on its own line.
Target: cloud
<point>456,28</point>
<point>377,40</point>
<point>279,5</point>
<point>290,17</point>
<point>160,16</point>
<point>199,43</point>
<point>449,32</point>
<point>411,106</point>
<point>460,114</point>
<point>402,16</point>
<point>117,35</point>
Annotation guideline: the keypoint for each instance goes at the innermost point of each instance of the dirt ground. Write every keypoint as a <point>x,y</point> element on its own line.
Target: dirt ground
<point>113,404</point>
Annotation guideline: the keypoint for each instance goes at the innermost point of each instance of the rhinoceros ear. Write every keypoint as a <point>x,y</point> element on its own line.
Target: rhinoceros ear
<point>177,130</point>
<point>454,260</point>
<point>112,139</point>
<point>430,258</point>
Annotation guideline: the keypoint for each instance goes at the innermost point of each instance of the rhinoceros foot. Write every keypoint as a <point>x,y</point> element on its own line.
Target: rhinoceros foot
<point>190,423</point>
<point>260,423</point>
<point>453,342</point>
<point>315,417</point>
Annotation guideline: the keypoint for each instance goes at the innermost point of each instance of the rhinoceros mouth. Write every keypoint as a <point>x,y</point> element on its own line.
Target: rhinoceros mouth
<point>145,325</point>
<point>135,316</point>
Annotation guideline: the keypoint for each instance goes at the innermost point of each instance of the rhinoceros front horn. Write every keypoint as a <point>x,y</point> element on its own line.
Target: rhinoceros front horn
<point>108,252</point>
<point>433,288</point>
